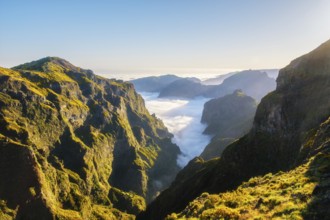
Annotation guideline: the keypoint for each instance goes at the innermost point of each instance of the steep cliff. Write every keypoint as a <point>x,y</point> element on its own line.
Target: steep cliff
<point>74,145</point>
<point>282,138</point>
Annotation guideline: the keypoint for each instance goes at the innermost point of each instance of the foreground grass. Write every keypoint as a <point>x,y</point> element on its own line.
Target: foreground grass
<point>284,195</point>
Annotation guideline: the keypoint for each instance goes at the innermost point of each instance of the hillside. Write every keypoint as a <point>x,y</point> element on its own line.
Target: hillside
<point>301,193</point>
<point>228,118</point>
<point>74,145</point>
<point>291,127</point>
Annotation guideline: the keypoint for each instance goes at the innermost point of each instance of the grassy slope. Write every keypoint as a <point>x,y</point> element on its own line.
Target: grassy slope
<point>301,193</point>
<point>283,195</point>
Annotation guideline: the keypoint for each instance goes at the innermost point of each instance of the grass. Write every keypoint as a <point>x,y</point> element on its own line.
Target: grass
<point>5,212</point>
<point>284,195</point>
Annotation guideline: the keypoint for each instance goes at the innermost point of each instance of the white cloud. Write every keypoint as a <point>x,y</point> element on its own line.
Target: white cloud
<point>182,118</point>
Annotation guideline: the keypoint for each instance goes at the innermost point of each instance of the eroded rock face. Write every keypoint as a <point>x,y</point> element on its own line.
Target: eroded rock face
<point>285,121</point>
<point>87,144</point>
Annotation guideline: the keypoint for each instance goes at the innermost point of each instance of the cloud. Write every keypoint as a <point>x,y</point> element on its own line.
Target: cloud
<point>182,118</point>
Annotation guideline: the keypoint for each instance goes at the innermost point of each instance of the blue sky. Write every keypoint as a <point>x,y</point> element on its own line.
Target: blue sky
<point>162,36</point>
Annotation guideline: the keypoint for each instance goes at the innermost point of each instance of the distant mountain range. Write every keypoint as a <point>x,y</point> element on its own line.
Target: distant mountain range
<point>154,83</point>
<point>254,83</point>
<point>272,73</point>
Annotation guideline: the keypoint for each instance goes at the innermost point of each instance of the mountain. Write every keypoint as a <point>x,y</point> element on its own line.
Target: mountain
<point>254,83</point>
<point>183,88</point>
<point>272,73</point>
<point>154,83</point>
<point>74,145</point>
<point>290,133</point>
<point>217,80</point>
<point>228,118</point>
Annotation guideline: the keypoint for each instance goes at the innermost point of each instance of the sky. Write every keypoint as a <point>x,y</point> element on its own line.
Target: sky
<point>169,36</point>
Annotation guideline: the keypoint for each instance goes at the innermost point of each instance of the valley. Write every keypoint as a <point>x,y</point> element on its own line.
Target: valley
<point>251,144</point>
<point>165,110</point>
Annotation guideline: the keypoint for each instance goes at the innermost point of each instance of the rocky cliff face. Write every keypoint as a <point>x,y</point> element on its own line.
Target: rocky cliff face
<point>77,146</point>
<point>228,118</point>
<point>282,136</point>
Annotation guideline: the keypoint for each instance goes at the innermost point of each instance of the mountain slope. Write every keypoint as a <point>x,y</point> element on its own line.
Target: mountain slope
<point>183,88</point>
<point>222,113</point>
<point>302,192</point>
<point>253,83</point>
<point>282,136</point>
<point>228,118</point>
<point>74,145</point>
<point>218,79</point>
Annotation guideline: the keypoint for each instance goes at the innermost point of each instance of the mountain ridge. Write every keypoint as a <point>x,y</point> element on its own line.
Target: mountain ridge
<point>254,83</point>
<point>86,145</point>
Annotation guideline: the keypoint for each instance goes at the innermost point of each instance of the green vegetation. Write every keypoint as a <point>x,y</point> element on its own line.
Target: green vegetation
<point>74,145</point>
<point>284,195</point>
<point>127,201</point>
<point>5,212</point>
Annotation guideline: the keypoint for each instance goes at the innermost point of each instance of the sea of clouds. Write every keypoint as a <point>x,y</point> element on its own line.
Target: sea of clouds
<point>182,118</point>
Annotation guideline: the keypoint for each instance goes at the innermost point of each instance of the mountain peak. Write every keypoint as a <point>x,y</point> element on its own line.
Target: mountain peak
<point>314,63</point>
<point>48,64</point>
